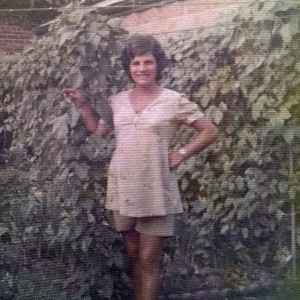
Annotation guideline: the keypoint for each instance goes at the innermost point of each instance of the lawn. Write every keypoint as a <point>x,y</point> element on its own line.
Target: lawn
<point>288,291</point>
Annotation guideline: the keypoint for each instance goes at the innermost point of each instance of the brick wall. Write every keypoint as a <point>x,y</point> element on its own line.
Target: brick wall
<point>13,39</point>
<point>177,16</point>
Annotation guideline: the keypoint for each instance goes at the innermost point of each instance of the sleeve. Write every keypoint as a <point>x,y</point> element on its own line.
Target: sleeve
<point>187,111</point>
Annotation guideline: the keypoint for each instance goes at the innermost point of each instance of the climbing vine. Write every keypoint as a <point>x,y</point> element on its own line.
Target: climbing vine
<point>243,73</point>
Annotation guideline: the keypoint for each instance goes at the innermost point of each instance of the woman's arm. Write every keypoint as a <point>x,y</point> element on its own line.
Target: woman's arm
<point>87,114</point>
<point>207,133</point>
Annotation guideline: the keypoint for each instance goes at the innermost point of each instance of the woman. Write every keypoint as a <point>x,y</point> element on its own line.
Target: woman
<point>142,190</point>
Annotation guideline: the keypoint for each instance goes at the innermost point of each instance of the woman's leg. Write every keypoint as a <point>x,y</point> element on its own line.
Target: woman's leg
<point>144,255</point>
<point>131,242</point>
<point>149,266</point>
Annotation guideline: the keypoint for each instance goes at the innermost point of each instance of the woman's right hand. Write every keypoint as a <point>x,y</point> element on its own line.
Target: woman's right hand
<point>76,96</point>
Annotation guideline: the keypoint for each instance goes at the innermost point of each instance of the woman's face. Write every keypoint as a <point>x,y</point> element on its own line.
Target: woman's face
<point>143,69</point>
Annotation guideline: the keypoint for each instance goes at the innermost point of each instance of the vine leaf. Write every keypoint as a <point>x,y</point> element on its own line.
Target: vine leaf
<point>60,126</point>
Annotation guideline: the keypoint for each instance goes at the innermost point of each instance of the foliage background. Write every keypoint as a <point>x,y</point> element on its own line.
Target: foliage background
<point>243,73</point>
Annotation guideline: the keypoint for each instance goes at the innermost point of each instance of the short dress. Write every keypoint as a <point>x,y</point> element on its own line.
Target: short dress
<point>140,182</point>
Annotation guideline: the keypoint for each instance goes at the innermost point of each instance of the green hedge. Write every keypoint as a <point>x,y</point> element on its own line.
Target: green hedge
<point>244,74</point>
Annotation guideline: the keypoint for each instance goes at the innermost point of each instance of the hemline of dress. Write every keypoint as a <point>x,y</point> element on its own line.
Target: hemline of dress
<point>148,215</point>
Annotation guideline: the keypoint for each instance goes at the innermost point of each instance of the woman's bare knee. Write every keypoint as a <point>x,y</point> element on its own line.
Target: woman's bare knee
<point>149,251</point>
<point>131,241</point>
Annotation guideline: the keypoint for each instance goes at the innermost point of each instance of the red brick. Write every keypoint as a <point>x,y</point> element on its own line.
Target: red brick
<point>19,42</point>
<point>8,28</point>
<point>13,36</point>
<point>2,42</point>
<point>19,32</point>
<point>6,41</point>
<point>177,16</point>
<point>19,49</point>
<point>8,48</point>
<point>26,35</point>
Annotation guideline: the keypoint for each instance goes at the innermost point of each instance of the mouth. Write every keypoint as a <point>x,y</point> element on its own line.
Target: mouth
<point>143,76</point>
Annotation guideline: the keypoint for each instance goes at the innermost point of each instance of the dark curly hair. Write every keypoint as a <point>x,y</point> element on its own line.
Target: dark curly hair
<point>141,44</point>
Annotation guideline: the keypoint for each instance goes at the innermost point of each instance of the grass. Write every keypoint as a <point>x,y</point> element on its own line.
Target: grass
<point>288,291</point>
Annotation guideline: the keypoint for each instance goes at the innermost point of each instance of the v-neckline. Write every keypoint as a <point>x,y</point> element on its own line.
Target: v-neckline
<point>146,107</point>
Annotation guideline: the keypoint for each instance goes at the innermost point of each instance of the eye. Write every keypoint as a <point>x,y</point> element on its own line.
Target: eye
<point>134,63</point>
<point>150,62</point>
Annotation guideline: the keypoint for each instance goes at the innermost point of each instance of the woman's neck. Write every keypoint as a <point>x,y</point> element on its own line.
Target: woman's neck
<point>152,89</point>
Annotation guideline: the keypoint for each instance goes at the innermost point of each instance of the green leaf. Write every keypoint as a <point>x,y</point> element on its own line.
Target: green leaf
<point>250,196</point>
<point>263,15</point>
<point>60,126</point>
<point>77,231</point>
<point>242,213</point>
<point>82,170</point>
<point>178,57</point>
<point>284,172</point>
<point>257,231</point>
<point>252,208</point>
<point>3,229</point>
<point>205,99</point>
<point>279,214</point>
<point>218,207</point>
<point>268,7</point>
<point>224,229</point>
<point>284,113</point>
<point>263,257</point>
<point>245,232</point>
<point>238,246</point>
<point>253,95</point>
<point>239,183</point>
<point>65,37</point>
<point>257,109</point>
<point>74,116</point>
<point>91,218</point>
<point>184,184</point>
<point>76,80</point>
<point>217,116</point>
<point>272,208</point>
<point>85,243</point>
<point>231,185</point>
<point>270,114</point>
<point>283,187</point>
<point>292,193</point>
<point>229,201</point>
<point>288,30</point>
<point>298,240</point>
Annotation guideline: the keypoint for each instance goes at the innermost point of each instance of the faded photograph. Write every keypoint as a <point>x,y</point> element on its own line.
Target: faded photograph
<point>149,150</point>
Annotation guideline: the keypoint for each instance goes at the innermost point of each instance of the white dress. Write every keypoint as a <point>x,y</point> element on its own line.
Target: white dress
<point>140,182</point>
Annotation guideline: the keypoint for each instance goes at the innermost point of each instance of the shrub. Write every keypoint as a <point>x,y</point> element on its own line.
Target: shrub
<point>243,73</point>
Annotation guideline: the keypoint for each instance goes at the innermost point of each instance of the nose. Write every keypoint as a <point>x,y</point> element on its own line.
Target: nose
<point>142,67</point>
